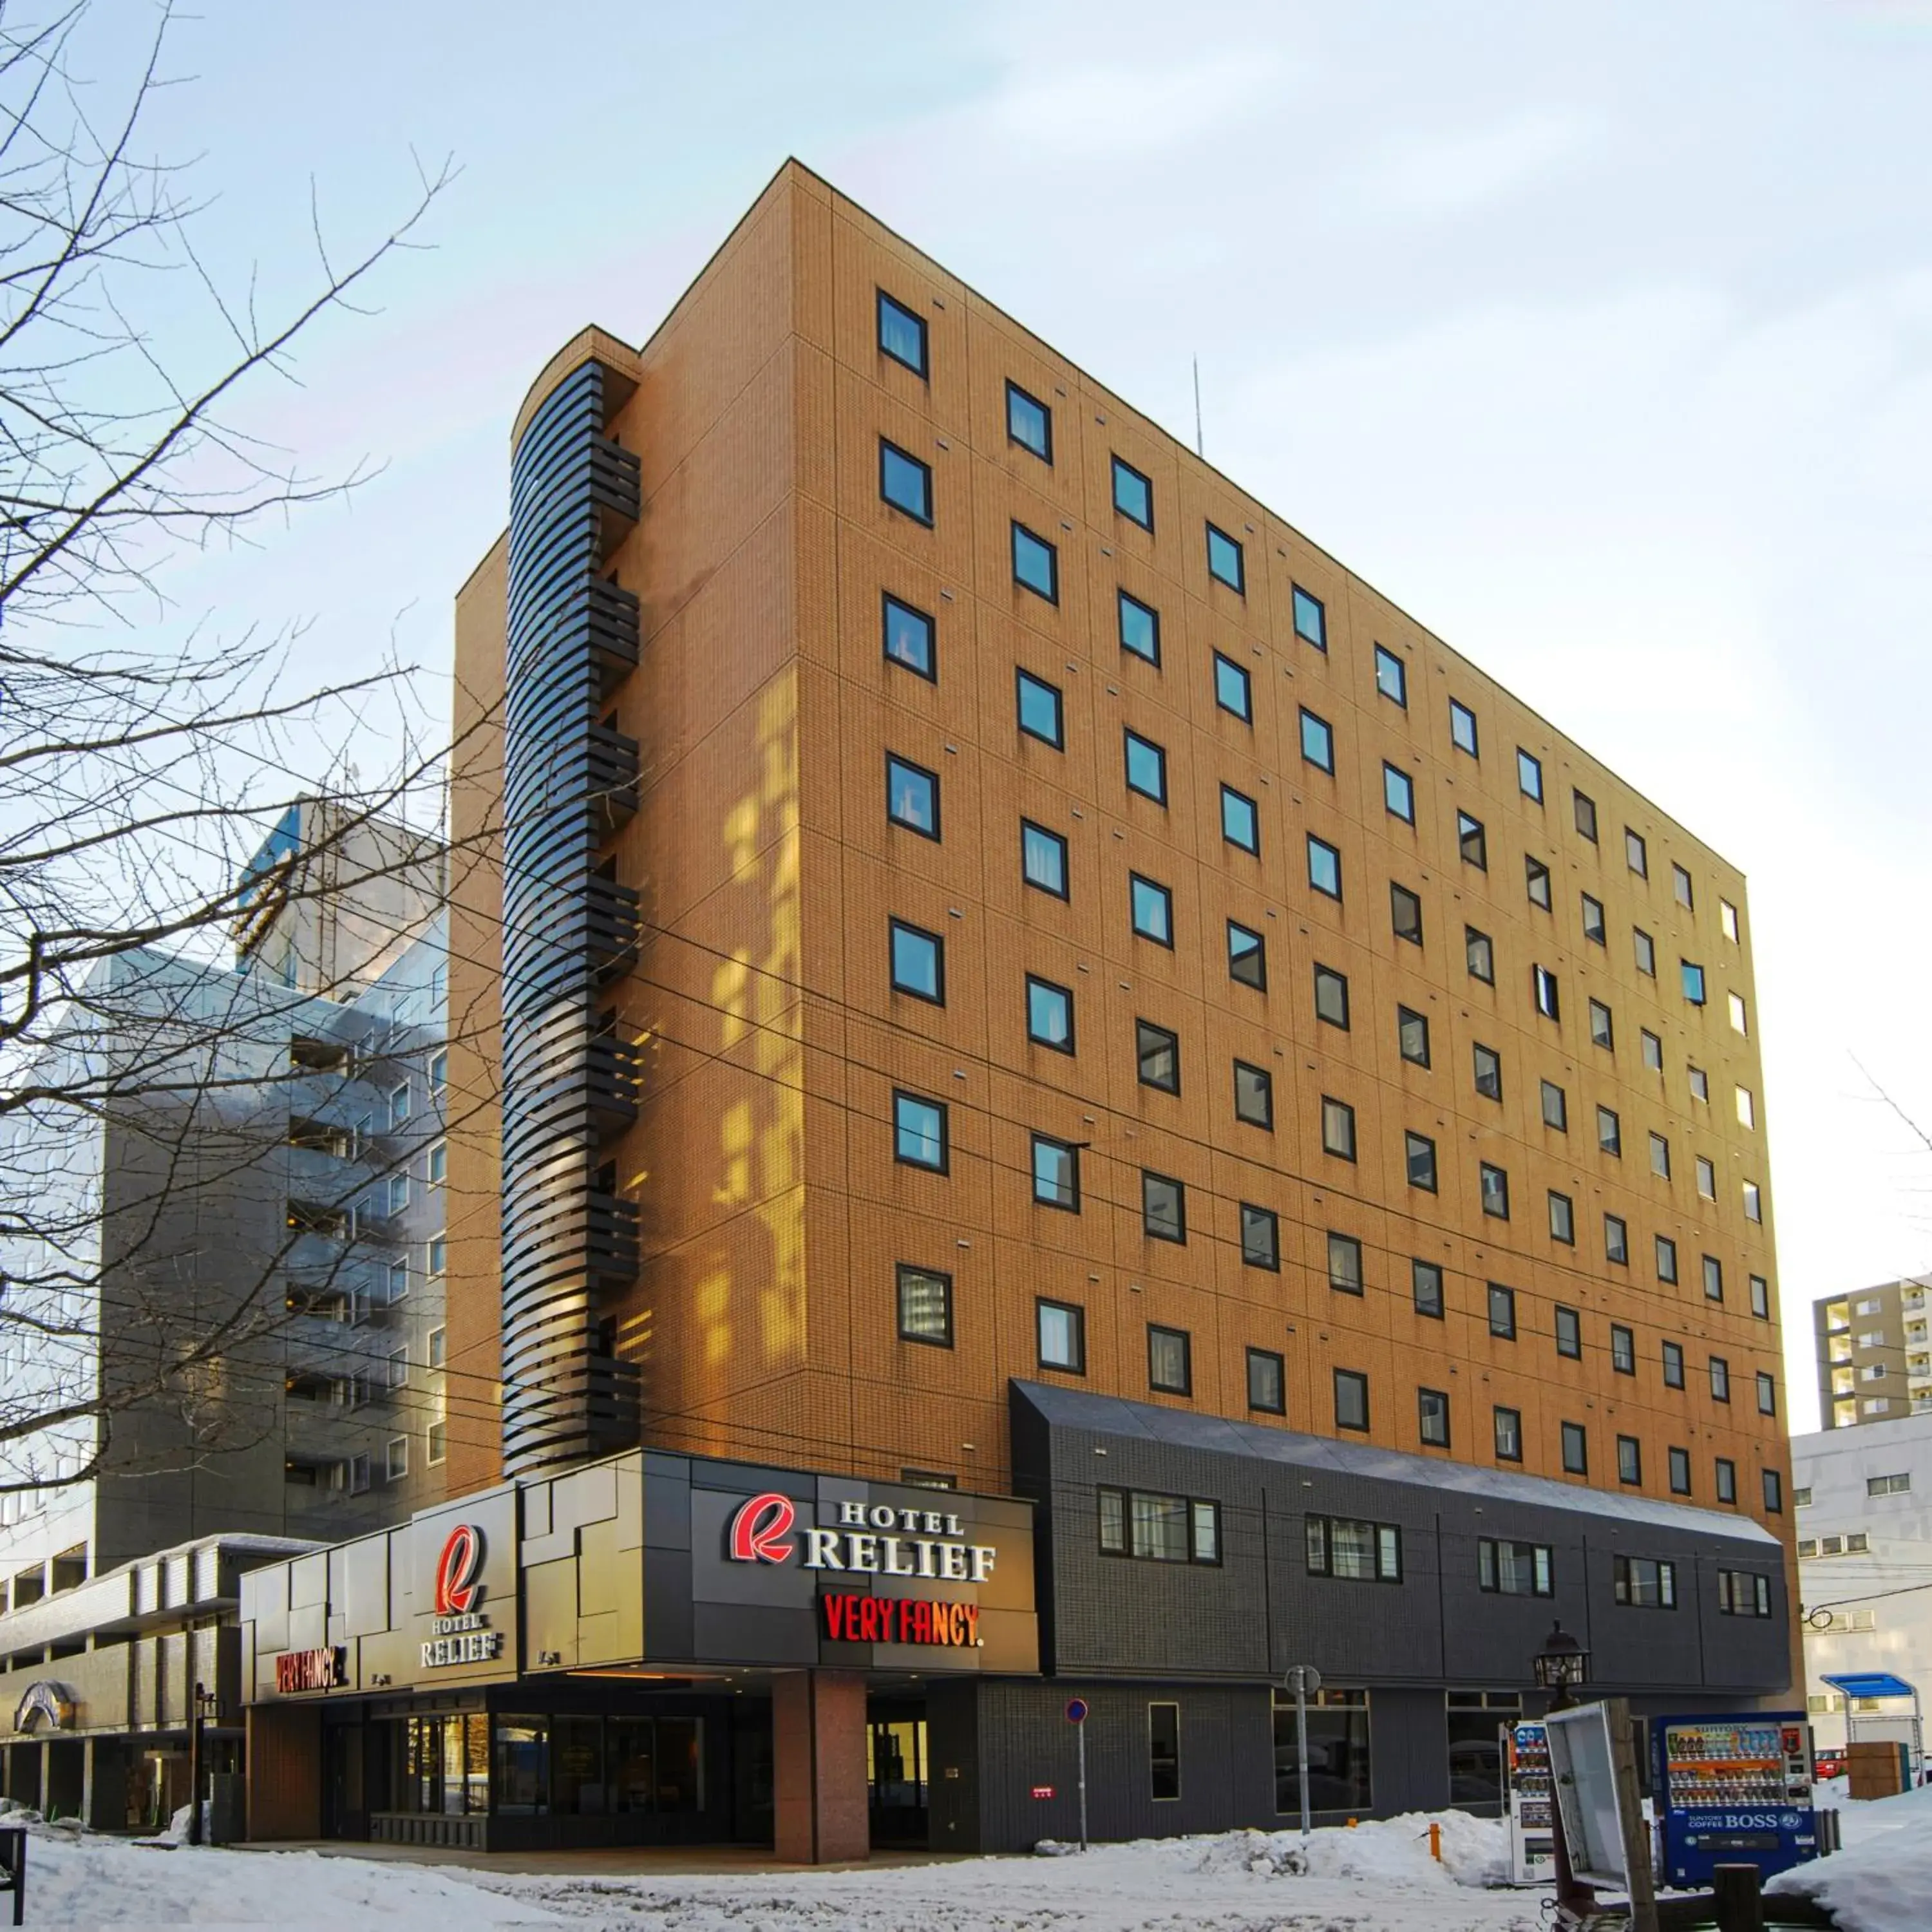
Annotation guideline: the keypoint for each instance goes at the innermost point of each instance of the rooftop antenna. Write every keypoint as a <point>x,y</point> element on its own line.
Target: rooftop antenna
<point>1199,448</point>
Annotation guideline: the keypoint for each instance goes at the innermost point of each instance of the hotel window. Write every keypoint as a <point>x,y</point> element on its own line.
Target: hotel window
<point>399,1368</point>
<point>912,796</point>
<point>1584,807</point>
<point>436,1441</point>
<point>400,1108</point>
<point>1600,1033</point>
<point>1727,918</point>
<point>1623,1349</point>
<point>1773,1490</point>
<point>1502,1312</point>
<point>1536,879</point>
<point>1700,1086</point>
<point>1472,841</point>
<point>1673,1365</point>
<point>1170,1366</point>
<point>1746,1108</point>
<point>1029,422</point>
<point>1226,565</point>
<point>1406,914</point>
<point>1247,956</point>
<point>1680,1471</point>
<point>1681,883</point>
<point>1391,676</point>
<point>1419,1158</point>
<point>901,334</point>
<point>1049,1015</point>
<point>1529,775</point>
<point>1743,1593</point>
<point>925,1306</point>
<point>1363,1553</point>
<point>1495,1189</point>
<point>918,962</point>
<point>1317,741</point>
<point>396,1465</point>
<point>1569,1333</point>
<point>1311,618</point>
<point>1035,564</point>
<point>1133,494</point>
<point>1157,1052</point>
<point>1739,1018</point>
<point>1562,1218</point>
<point>1694,982</point>
<point>439,1348</point>
<point>1508,1426</point>
<point>1425,1287</point>
<point>1720,1379</point>
<point>439,1164</point>
<point>1241,820</point>
<point>1666,1258</point>
<point>1153,910</point>
<point>1753,1202</point>
<point>1163,1208</point>
<point>1232,691</point>
<point>1351,1399</point>
<point>919,1131</point>
<point>1555,1107</point>
<point>1644,948</point>
<point>1056,1173</point>
<point>1637,854</point>
<point>1267,1382</point>
<point>1040,712</point>
<point>1659,1156</point>
<point>1480,952</point>
<point>1576,1449</point>
<point>1726,1475</point>
<point>1462,728</point>
<point>398,1193</point>
<point>1644,1582</point>
<point>1254,1096</point>
<point>1140,628</point>
<point>1630,1459</point>
<point>1325,867</point>
<point>1432,1407</point>
<point>1146,767</point>
<point>1616,1239</point>
<point>1398,794</point>
<point>1331,998</point>
<point>1043,859</point>
<point>439,1072</point>
<point>1653,1050</point>
<point>1411,1036</point>
<point>1338,1128</point>
<point>1760,1297</point>
<point>1260,1237</point>
<point>1061,1328</point>
<point>1543,989</point>
<point>1714,1278</point>
<point>1513,1569</point>
<point>1767,1393</point>
<point>437,1255</point>
<point>908,638</point>
<point>1158,1528</point>
<point>904,482</point>
<point>1610,1132</point>
<point>1594,928</point>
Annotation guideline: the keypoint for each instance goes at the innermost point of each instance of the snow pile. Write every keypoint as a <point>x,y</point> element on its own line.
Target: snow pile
<point>1881,1881</point>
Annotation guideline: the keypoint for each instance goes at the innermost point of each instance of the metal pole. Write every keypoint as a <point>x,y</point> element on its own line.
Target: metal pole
<point>194,1770</point>
<point>1080,1732</point>
<point>1301,1742</point>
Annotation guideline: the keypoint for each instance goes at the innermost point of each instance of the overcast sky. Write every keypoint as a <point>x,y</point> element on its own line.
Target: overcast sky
<point>1597,336</point>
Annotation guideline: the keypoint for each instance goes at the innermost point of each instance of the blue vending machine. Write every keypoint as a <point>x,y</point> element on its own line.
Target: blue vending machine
<point>1735,1789</point>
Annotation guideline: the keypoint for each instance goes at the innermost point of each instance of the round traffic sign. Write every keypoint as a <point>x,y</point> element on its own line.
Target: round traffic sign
<point>1076,1710</point>
<point>1304,1679</point>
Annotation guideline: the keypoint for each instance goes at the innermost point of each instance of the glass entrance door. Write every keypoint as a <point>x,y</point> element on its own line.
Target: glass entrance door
<point>896,1772</point>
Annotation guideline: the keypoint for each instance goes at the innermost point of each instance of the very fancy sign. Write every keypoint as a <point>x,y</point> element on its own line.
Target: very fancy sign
<point>870,1540</point>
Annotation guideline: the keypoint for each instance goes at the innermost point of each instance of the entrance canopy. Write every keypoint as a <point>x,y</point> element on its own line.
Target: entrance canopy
<point>1873,1684</point>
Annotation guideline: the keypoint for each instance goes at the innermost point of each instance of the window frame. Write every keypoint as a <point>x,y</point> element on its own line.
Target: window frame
<point>1259,1218</point>
<point>1125,601</point>
<point>901,1271</point>
<point>1238,582</point>
<point>1168,1040</point>
<point>1385,659</point>
<point>1076,1330</point>
<point>1119,466</point>
<point>1326,738</point>
<point>1176,1237</point>
<point>1064,891</point>
<point>1166,895</point>
<point>923,368</point>
<point>1045,985</point>
<point>1039,1142</point>
<point>896,926</point>
<point>1044,455</point>
<point>1356,1379</point>
<point>943,1163</point>
<point>1160,1330</point>
<point>1398,894</point>
<point>1333,853</point>
<point>1279,1405</point>
<point>1130,739</point>
<point>1023,679</point>
<point>894,763</point>
<point>1257,952</point>
<point>887,449</point>
<point>1299,599</point>
<point>1231,794</point>
<point>1050,595</point>
<point>1261,1082</point>
<point>889,602</point>
<point>1245,711</point>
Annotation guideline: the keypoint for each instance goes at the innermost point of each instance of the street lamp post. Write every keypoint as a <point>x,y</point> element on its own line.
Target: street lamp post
<point>1560,1667</point>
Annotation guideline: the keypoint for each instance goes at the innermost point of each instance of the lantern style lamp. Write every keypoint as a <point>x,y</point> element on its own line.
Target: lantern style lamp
<point>1560,1667</point>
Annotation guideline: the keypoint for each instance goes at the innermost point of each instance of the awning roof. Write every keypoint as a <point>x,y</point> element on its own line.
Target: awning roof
<point>1873,1684</point>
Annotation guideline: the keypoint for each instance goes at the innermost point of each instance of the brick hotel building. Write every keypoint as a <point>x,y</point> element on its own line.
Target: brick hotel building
<point>1013,972</point>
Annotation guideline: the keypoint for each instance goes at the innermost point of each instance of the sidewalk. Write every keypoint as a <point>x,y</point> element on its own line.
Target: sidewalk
<point>629,1860</point>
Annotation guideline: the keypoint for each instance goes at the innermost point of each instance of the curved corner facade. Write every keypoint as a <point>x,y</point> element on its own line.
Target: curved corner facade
<point>569,928</point>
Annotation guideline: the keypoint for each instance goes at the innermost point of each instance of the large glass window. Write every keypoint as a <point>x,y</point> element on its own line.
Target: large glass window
<point>1513,1569</point>
<point>1163,1751</point>
<point>1644,1582</point>
<point>1476,1720</point>
<point>1338,1779</point>
<point>1159,1528</point>
<point>521,1749</point>
<point>1362,1553</point>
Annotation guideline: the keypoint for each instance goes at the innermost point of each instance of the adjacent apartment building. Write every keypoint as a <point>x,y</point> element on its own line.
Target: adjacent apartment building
<point>1035,1011</point>
<point>1874,1354</point>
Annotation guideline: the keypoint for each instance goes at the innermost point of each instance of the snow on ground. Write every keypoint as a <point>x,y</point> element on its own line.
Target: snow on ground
<point>1376,1878</point>
<point>1882,1881</point>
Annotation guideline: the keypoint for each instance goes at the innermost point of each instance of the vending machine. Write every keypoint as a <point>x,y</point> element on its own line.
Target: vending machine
<point>1734,1790</point>
<point>1532,1838</point>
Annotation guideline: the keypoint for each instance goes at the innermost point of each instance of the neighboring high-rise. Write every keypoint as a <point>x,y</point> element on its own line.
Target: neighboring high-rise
<point>1017,972</point>
<point>1874,1354</point>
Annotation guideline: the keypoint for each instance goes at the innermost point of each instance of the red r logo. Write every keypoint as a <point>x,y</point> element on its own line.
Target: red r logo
<point>457,1592</point>
<point>760,1529</point>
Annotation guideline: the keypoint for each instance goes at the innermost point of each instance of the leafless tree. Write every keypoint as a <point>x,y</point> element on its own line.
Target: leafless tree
<point>138,778</point>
